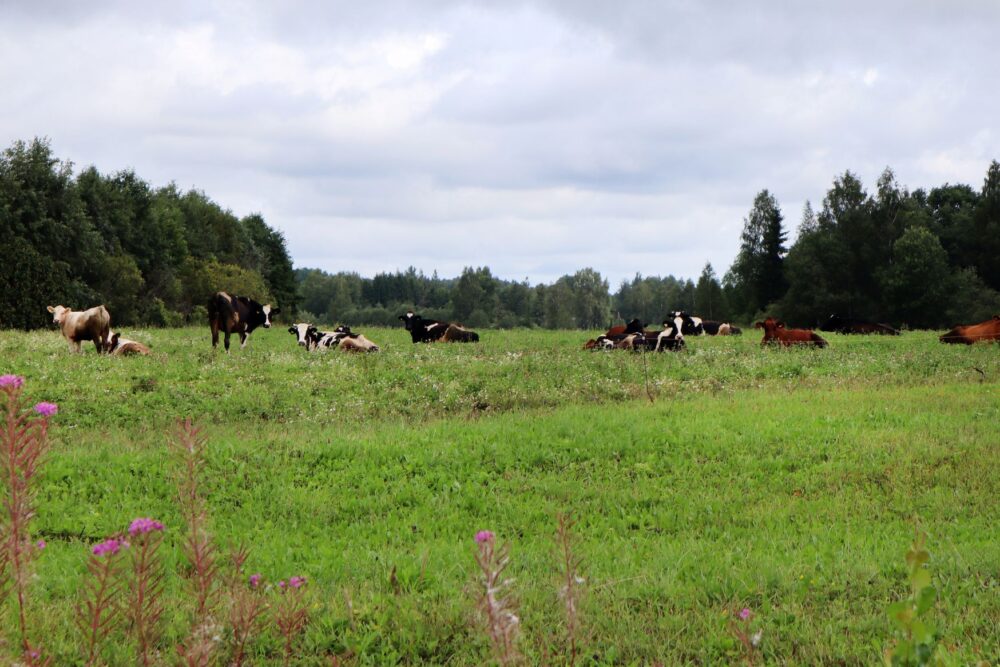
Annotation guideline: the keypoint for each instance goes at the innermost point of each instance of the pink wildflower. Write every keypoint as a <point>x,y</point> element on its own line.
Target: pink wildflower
<point>297,582</point>
<point>281,584</point>
<point>40,545</point>
<point>142,526</point>
<point>255,580</point>
<point>46,409</point>
<point>484,536</point>
<point>745,613</point>
<point>14,381</point>
<point>109,546</point>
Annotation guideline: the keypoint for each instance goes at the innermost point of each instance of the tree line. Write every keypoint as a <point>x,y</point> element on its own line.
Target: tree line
<point>477,298</point>
<point>920,259</point>
<point>155,255</point>
<point>152,255</point>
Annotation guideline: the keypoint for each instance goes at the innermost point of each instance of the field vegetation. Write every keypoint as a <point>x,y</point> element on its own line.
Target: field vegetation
<point>726,477</point>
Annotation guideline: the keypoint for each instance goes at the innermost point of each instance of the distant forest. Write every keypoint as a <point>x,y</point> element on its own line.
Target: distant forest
<point>155,255</point>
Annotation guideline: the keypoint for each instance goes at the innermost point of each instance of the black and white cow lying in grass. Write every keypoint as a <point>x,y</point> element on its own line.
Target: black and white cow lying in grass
<point>430,331</point>
<point>311,338</point>
<point>670,338</point>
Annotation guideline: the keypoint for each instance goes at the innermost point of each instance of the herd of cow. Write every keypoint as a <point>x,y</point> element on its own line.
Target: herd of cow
<point>241,315</point>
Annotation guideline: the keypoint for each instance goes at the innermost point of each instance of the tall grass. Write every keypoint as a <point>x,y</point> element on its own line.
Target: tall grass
<point>782,479</point>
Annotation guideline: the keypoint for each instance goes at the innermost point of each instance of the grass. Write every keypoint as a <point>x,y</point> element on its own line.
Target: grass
<point>782,480</point>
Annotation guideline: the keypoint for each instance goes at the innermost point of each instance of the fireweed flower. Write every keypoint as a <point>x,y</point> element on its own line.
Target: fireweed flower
<point>483,536</point>
<point>255,580</point>
<point>297,582</point>
<point>14,381</point>
<point>142,526</point>
<point>745,613</point>
<point>40,544</point>
<point>110,547</point>
<point>46,409</point>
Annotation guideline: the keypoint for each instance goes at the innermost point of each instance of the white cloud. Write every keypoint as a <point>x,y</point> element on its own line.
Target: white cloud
<point>535,137</point>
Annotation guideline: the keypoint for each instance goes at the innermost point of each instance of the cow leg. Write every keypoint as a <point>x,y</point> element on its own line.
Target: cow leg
<point>226,342</point>
<point>244,339</point>
<point>215,333</point>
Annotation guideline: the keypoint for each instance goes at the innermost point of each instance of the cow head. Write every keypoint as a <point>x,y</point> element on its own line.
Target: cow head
<point>344,329</point>
<point>408,319</point>
<point>58,313</point>
<point>770,326</point>
<point>673,326</point>
<point>267,311</point>
<point>302,332</point>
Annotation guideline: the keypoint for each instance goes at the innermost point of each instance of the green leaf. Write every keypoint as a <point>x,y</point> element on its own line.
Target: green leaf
<point>925,599</point>
<point>922,634</point>
<point>920,580</point>
<point>897,613</point>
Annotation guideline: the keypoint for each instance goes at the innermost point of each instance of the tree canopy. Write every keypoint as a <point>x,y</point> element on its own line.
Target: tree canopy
<point>153,256</point>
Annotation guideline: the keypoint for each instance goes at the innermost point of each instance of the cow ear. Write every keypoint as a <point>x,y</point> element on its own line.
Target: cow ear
<point>51,309</point>
<point>291,329</point>
<point>275,311</point>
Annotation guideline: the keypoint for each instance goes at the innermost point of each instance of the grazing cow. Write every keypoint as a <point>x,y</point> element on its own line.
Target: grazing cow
<point>123,347</point>
<point>848,325</point>
<point>237,314</point>
<point>430,331</point>
<point>77,326</point>
<point>974,333</point>
<point>775,332</point>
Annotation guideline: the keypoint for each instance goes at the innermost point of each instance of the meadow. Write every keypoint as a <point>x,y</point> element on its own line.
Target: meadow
<point>786,482</point>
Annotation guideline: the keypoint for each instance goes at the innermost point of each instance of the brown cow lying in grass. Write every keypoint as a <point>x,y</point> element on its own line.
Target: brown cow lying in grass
<point>80,325</point>
<point>974,333</point>
<point>775,332</point>
<point>123,346</point>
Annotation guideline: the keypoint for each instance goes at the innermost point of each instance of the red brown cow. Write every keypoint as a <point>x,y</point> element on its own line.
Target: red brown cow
<point>237,314</point>
<point>775,332</point>
<point>77,326</point>
<point>974,333</point>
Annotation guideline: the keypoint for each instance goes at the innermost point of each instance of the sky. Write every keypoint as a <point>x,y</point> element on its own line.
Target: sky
<point>536,137</point>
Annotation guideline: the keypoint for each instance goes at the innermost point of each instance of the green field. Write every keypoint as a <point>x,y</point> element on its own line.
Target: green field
<point>725,476</point>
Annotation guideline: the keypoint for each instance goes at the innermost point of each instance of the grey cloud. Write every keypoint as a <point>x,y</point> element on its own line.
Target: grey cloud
<point>535,137</point>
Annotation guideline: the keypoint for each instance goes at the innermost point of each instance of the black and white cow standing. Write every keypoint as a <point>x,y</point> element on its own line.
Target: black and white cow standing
<point>429,331</point>
<point>237,314</point>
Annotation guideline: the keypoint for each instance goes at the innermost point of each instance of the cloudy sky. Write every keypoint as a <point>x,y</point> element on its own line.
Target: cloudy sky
<point>536,137</point>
